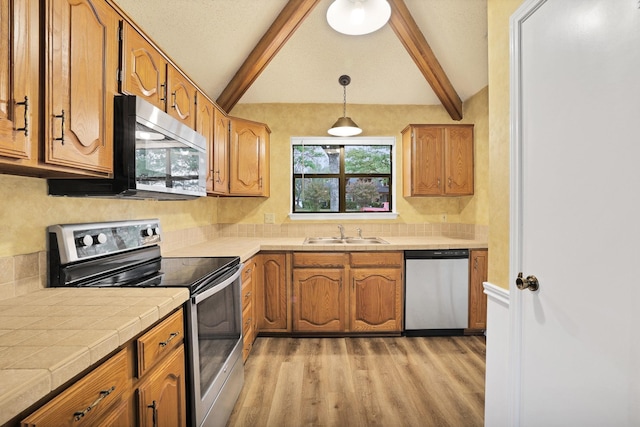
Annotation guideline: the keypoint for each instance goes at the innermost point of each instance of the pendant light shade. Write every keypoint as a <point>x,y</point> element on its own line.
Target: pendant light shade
<point>344,126</point>
<point>357,17</point>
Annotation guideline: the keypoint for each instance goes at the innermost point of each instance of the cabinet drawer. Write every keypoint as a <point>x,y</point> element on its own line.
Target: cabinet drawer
<point>89,400</point>
<point>377,259</point>
<point>247,272</point>
<point>319,259</point>
<point>247,294</point>
<point>159,341</point>
<point>247,320</point>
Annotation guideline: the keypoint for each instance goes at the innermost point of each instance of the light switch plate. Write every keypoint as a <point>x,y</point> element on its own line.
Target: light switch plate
<point>269,218</point>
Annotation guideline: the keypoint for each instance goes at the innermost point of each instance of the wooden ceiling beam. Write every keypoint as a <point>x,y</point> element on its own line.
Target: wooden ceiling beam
<point>289,19</point>
<point>416,44</point>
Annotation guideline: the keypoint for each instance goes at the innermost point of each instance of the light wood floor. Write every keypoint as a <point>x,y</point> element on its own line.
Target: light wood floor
<point>426,381</point>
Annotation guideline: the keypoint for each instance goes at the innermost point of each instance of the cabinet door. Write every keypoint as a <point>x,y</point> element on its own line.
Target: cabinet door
<point>318,300</point>
<point>204,126</point>
<point>248,158</point>
<point>426,163</point>
<point>459,160</point>
<point>477,298</point>
<point>18,80</point>
<point>181,97</point>
<point>220,153</point>
<point>248,312</point>
<point>162,396</point>
<point>144,68</point>
<point>271,296</point>
<point>376,299</point>
<point>80,82</point>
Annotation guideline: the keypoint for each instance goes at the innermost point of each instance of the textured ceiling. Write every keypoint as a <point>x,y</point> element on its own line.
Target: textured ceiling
<point>210,39</point>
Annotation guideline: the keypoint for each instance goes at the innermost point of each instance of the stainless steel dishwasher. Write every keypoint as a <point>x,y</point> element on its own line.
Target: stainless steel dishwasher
<point>436,292</point>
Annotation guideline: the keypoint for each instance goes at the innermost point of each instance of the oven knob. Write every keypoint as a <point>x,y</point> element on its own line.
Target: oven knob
<point>147,232</point>
<point>87,240</point>
<point>156,231</point>
<point>99,238</point>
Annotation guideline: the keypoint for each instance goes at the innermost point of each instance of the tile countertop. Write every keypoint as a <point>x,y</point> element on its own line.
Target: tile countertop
<point>246,247</point>
<point>49,336</point>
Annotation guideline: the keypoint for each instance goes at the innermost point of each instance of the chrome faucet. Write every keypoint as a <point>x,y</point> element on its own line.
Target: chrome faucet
<point>359,230</point>
<point>341,228</point>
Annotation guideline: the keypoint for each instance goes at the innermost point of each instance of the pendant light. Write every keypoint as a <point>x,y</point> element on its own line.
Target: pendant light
<point>357,17</point>
<point>344,126</point>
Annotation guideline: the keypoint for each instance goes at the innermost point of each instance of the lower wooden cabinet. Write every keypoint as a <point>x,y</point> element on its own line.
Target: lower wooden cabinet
<point>143,384</point>
<point>478,259</point>
<point>249,327</point>
<point>347,292</point>
<point>162,393</point>
<point>273,292</point>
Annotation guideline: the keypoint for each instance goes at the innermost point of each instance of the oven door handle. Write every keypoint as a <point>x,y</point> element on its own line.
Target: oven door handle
<point>207,292</point>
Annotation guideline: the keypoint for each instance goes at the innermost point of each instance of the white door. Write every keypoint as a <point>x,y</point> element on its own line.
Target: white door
<point>576,213</point>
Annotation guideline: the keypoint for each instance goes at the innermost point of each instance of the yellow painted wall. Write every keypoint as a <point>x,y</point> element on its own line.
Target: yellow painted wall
<point>287,120</point>
<point>26,210</point>
<point>498,14</point>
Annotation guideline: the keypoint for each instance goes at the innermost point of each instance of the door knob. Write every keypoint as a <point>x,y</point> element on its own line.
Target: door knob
<point>530,282</point>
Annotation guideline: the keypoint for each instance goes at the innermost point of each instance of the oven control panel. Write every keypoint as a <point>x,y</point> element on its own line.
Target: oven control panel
<point>75,242</point>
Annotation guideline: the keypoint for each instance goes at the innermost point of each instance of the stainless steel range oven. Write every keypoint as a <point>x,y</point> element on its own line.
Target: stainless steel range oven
<point>127,253</point>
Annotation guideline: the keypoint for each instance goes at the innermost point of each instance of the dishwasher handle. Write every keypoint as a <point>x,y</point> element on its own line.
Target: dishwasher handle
<point>437,254</point>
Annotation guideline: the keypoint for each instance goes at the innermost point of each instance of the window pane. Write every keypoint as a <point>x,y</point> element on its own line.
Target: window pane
<point>316,195</point>
<point>316,159</point>
<point>367,158</point>
<point>367,194</point>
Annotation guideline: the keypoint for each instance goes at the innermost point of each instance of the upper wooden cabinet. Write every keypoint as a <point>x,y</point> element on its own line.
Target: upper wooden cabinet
<point>19,82</point>
<point>249,158</point>
<point>147,73</point>
<point>81,60</point>
<point>219,154</point>
<point>144,68</point>
<point>438,160</point>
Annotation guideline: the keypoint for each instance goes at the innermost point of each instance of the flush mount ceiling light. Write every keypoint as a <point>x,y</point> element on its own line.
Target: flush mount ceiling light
<point>344,126</point>
<point>357,17</point>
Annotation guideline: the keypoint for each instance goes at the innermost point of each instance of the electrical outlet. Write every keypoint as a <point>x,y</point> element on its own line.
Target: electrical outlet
<point>269,218</point>
<point>443,218</point>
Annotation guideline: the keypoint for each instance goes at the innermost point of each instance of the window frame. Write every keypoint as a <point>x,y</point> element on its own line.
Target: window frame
<point>331,140</point>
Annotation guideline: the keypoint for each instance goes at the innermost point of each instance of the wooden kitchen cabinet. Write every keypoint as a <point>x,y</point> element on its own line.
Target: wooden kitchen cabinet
<point>319,300</point>
<point>273,292</point>
<point>144,68</point>
<point>99,398</point>
<point>81,62</point>
<point>478,260</point>
<point>162,395</point>
<point>147,373</point>
<point>347,292</point>
<point>376,281</point>
<point>249,158</point>
<point>438,160</point>
<point>249,321</point>
<point>181,98</point>
<point>219,155</point>
<point>19,44</point>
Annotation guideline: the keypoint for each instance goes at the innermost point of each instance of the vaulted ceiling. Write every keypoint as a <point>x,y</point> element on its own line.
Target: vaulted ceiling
<point>283,51</point>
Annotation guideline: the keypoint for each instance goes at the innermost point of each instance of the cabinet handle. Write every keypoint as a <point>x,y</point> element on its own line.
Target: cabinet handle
<point>260,182</point>
<point>172,336</point>
<point>438,182</point>
<point>218,179</point>
<point>248,295</point>
<point>77,416</point>
<point>154,407</point>
<point>475,263</point>
<point>163,88</point>
<point>449,182</point>
<point>25,129</point>
<point>173,100</point>
<point>61,117</point>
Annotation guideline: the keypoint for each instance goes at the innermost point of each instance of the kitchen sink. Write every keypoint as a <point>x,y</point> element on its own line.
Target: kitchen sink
<point>346,240</point>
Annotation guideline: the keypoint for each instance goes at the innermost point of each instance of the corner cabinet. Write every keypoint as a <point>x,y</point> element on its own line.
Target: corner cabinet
<point>478,259</point>
<point>81,60</point>
<point>249,158</point>
<point>249,322</point>
<point>438,160</point>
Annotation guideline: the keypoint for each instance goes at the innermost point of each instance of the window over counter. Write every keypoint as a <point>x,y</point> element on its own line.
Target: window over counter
<point>342,178</point>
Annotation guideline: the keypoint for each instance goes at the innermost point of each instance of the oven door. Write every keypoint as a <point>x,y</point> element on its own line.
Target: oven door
<point>217,372</point>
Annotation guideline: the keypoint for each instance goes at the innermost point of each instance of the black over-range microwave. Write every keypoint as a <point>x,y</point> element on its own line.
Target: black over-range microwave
<point>155,157</point>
